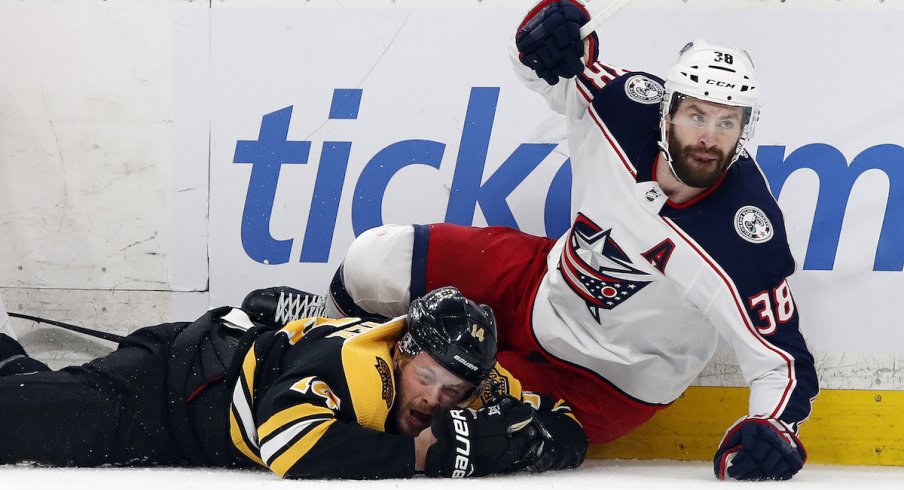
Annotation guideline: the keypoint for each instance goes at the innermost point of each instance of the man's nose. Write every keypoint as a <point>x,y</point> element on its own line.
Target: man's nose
<point>431,396</point>
<point>707,136</point>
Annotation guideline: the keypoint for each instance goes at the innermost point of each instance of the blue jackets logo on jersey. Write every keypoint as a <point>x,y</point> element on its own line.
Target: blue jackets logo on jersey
<point>597,269</point>
<point>753,225</point>
<point>644,90</point>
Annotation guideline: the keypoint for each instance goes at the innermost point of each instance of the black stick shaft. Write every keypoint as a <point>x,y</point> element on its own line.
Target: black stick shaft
<point>75,328</point>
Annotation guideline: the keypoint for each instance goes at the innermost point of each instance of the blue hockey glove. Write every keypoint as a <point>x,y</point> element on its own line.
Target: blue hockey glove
<point>759,449</point>
<point>549,40</point>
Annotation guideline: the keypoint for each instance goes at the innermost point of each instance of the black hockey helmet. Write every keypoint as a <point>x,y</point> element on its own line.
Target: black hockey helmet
<point>456,332</point>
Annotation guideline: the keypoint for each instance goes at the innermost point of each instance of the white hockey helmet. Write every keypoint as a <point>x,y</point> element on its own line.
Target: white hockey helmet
<point>716,74</point>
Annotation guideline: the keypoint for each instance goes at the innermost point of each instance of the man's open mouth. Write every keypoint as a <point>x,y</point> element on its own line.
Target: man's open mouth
<point>420,418</point>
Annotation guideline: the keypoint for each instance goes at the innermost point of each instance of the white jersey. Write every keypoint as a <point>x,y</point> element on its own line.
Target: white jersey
<point>640,288</point>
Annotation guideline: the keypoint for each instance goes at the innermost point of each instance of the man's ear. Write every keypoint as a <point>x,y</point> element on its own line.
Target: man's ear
<point>395,354</point>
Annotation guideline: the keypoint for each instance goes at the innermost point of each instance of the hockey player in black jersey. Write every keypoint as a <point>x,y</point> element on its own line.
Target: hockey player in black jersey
<point>315,398</point>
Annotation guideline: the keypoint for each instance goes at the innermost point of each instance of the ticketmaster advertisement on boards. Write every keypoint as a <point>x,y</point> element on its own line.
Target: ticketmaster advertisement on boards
<point>310,126</point>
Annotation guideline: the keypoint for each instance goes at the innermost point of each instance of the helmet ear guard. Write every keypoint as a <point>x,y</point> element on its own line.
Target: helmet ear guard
<point>716,74</point>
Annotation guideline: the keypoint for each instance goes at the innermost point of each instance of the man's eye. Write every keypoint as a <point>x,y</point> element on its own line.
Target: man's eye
<point>727,124</point>
<point>697,118</point>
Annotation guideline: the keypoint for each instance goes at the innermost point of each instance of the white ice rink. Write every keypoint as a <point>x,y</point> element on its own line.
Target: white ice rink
<point>596,474</point>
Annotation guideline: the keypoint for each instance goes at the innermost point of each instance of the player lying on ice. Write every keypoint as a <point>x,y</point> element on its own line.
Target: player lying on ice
<point>677,240</point>
<point>316,398</point>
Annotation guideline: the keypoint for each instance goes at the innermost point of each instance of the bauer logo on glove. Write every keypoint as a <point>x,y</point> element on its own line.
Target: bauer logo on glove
<point>462,466</point>
<point>499,438</point>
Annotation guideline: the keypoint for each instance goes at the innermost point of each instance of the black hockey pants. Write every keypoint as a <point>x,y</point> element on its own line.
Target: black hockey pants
<point>159,399</point>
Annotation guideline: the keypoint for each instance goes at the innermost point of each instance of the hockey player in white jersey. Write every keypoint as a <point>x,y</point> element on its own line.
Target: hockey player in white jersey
<point>677,240</point>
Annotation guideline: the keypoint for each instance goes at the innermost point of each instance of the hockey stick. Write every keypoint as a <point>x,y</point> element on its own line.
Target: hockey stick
<point>603,16</point>
<point>75,328</point>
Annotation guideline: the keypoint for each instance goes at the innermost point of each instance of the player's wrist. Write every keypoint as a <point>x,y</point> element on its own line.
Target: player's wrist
<point>422,444</point>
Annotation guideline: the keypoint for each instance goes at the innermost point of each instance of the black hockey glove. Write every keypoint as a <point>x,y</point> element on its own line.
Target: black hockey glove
<point>499,438</point>
<point>564,443</point>
<point>277,306</point>
<point>549,40</point>
<point>759,449</point>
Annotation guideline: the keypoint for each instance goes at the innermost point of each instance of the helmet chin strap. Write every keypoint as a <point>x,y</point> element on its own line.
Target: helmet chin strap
<point>664,148</point>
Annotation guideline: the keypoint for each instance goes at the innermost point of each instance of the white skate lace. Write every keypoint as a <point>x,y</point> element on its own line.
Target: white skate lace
<point>291,307</point>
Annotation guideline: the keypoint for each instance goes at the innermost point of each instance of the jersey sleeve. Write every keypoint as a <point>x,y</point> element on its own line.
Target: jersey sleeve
<point>301,436</point>
<point>749,300</point>
<point>293,409</point>
<point>764,332</point>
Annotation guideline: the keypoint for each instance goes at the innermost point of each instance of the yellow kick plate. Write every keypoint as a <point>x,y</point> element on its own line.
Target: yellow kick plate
<point>852,427</point>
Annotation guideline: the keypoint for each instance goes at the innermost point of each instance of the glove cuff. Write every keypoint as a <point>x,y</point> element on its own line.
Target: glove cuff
<point>433,463</point>
<point>546,3</point>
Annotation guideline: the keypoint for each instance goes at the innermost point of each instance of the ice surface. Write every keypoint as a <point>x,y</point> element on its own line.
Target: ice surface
<point>596,474</point>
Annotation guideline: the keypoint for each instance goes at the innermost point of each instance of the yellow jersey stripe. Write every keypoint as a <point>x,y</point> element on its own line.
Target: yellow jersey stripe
<point>249,366</point>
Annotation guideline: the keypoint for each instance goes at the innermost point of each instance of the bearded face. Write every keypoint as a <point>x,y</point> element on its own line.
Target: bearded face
<point>696,165</point>
<point>702,139</point>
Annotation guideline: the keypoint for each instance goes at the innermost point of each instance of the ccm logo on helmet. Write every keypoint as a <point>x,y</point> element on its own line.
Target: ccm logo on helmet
<point>463,450</point>
<point>718,83</point>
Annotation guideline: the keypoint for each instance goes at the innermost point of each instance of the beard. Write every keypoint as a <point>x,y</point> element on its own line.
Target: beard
<point>407,416</point>
<point>693,172</point>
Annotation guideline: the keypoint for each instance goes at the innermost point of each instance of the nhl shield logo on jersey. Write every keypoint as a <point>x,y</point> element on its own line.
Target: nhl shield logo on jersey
<point>753,225</point>
<point>597,269</point>
<point>644,90</point>
<point>653,194</point>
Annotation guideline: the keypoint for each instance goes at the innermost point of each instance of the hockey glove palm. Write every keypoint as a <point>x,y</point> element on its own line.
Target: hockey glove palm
<point>494,439</point>
<point>549,40</point>
<point>759,449</point>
